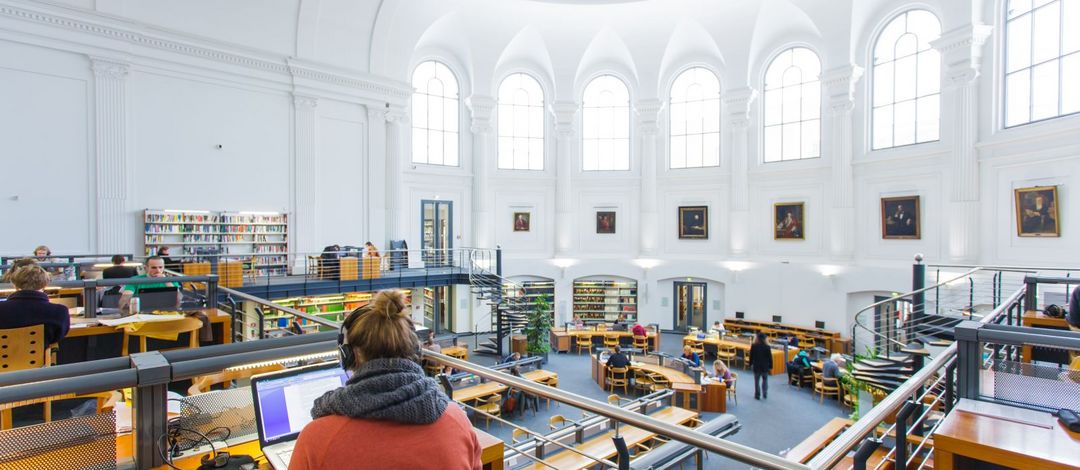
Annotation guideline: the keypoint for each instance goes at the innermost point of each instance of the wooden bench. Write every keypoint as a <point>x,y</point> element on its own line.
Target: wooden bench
<point>810,446</point>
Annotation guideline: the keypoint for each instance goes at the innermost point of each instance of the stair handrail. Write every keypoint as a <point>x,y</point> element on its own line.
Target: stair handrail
<point>849,439</point>
<point>871,307</point>
<point>478,275</point>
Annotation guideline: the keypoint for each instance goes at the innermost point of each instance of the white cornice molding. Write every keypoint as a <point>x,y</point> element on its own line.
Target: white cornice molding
<point>172,42</point>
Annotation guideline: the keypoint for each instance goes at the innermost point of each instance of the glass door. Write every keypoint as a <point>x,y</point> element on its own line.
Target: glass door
<point>438,309</point>
<point>436,232</point>
<point>690,305</point>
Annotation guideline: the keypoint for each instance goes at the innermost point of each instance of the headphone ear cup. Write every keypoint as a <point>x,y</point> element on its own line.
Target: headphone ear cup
<point>221,459</point>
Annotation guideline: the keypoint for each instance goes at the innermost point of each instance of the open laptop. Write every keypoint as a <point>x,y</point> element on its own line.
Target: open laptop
<point>158,298</point>
<point>283,402</point>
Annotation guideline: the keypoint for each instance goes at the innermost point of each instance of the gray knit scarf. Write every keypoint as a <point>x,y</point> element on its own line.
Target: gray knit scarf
<point>387,389</point>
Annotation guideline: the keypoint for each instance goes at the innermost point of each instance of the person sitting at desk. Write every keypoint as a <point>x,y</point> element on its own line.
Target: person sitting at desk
<point>639,330</point>
<point>830,369</point>
<point>512,357</point>
<point>29,305</point>
<point>578,324</point>
<point>431,345</point>
<point>617,358</point>
<point>388,415</point>
<point>42,255</point>
<point>118,270</point>
<point>718,328</point>
<point>1073,318</point>
<point>721,372</point>
<point>172,264</point>
<point>155,268</point>
<point>691,356</point>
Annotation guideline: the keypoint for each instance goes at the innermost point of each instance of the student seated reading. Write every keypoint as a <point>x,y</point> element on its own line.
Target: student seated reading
<point>155,268</point>
<point>30,305</point>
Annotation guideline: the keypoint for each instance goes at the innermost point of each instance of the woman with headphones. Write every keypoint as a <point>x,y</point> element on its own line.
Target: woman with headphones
<point>389,414</point>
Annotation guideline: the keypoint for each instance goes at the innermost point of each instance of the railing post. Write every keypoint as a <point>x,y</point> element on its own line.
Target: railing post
<point>950,374</point>
<point>498,260</point>
<point>1031,292</point>
<point>211,291</point>
<point>968,359</point>
<point>918,301</point>
<point>865,450</point>
<point>900,457</point>
<point>150,402</point>
<point>90,299</point>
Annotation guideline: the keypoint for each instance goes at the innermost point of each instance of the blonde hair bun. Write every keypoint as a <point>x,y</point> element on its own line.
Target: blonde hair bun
<point>390,302</point>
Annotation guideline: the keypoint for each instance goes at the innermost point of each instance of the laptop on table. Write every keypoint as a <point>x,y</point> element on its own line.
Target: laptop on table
<point>283,402</point>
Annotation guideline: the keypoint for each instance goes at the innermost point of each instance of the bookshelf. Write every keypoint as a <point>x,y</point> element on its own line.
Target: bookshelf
<point>601,301</point>
<point>259,239</point>
<point>334,307</point>
<point>534,289</point>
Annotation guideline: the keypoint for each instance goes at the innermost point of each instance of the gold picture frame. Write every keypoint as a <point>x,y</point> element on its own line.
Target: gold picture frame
<point>896,222</point>
<point>694,222</point>
<point>1037,213</point>
<point>522,221</point>
<point>789,221</point>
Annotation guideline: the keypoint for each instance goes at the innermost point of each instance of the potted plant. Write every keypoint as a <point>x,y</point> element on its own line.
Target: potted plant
<point>538,328</point>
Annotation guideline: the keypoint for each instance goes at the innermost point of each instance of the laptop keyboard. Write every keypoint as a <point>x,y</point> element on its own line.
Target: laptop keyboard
<point>286,456</point>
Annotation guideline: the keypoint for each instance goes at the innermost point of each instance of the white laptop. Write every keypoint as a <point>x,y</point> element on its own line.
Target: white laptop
<point>283,402</point>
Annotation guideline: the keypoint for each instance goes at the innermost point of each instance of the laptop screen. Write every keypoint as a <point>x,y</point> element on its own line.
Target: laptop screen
<point>284,400</point>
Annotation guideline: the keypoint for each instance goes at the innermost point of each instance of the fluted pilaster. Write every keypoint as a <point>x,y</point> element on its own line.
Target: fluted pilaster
<point>305,173</point>
<point>648,116</point>
<point>737,103</point>
<point>839,85</point>
<point>397,120</point>
<point>481,109</point>
<point>565,113</point>
<point>110,154</point>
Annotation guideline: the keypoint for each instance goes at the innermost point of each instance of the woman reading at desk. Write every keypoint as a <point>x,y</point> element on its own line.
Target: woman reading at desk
<point>30,305</point>
<point>388,415</point>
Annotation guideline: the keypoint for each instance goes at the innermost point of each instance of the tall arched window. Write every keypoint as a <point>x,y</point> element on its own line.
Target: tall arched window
<point>793,106</point>
<point>606,122</point>
<point>521,123</point>
<point>435,115</point>
<point>695,119</point>
<point>907,81</point>
<point>1042,57</point>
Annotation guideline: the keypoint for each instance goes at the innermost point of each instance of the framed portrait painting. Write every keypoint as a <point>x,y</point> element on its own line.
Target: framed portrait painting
<point>1037,212</point>
<point>605,222</point>
<point>522,221</point>
<point>694,222</point>
<point>789,221</point>
<point>900,218</point>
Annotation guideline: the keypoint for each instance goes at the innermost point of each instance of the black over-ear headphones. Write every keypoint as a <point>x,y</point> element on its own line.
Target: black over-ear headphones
<point>346,356</point>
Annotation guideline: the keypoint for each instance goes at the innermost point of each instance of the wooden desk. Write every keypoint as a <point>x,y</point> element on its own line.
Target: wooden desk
<point>487,389</point>
<point>1035,318</point>
<point>813,444</point>
<point>491,450</point>
<point>97,341</point>
<point>714,397</point>
<point>690,393</point>
<point>599,371</point>
<point>830,340</point>
<point>562,341</point>
<point>1004,435</point>
<point>601,447</point>
<point>779,365</point>
<point>213,314</point>
<point>460,352</point>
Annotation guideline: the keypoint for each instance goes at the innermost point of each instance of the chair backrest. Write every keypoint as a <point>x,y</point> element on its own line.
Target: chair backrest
<point>519,433</point>
<point>557,420</point>
<point>23,348</point>
<point>613,399</point>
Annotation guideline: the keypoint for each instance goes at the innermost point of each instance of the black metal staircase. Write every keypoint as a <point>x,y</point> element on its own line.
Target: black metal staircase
<point>508,306</point>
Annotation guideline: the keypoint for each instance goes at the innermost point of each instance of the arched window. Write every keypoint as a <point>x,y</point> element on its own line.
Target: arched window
<point>606,122</point>
<point>434,115</point>
<point>521,123</point>
<point>695,119</point>
<point>907,81</point>
<point>1042,57</point>
<point>793,106</point>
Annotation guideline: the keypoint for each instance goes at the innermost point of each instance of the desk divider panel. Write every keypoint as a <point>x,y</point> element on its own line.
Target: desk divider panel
<point>89,440</point>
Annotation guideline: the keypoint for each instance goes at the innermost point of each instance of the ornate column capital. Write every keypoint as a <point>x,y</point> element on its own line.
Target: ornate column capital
<point>305,102</point>
<point>395,114</point>
<point>839,86</point>
<point>564,112</point>
<point>648,115</point>
<point>109,68</point>
<point>737,102</point>
<point>961,52</point>
<point>481,107</point>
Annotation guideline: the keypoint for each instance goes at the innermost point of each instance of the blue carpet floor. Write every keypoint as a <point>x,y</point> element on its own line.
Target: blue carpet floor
<point>774,425</point>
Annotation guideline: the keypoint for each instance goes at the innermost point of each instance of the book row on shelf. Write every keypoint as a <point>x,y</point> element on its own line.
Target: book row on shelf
<point>196,234</point>
<point>605,301</point>
<point>331,307</point>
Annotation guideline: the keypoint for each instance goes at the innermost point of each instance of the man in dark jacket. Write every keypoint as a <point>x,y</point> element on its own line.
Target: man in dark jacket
<point>761,363</point>
<point>118,270</point>
<point>618,359</point>
<point>30,305</point>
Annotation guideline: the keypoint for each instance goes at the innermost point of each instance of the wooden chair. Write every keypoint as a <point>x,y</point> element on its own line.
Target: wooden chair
<point>613,399</point>
<point>583,342</point>
<point>642,343</point>
<point>659,382</point>
<point>698,347</point>
<point>203,383</point>
<point>825,386</point>
<point>850,397</point>
<point>806,342</point>
<point>519,433</point>
<point>21,349</point>
<point>491,405</point>
<point>642,381</point>
<point>550,382</point>
<point>556,422</point>
<point>727,353</point>
<point>617,377</point>
<point>183,325</point>
<point>610,341</point>
<point>731,390</point>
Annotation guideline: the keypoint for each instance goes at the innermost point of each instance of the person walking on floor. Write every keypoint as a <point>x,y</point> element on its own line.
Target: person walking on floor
<point>761,363</point>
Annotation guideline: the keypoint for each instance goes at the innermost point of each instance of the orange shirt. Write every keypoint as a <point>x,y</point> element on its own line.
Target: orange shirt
<point>340,442</point>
